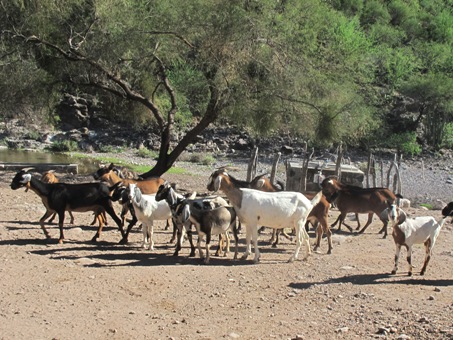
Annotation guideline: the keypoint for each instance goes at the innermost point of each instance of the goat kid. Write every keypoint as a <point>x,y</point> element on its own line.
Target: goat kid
<point>147,210</point>
<point>61,197</point>
<point>274,209</point>
<point>215,221</point>
<point>410,231</point>
<point>175,201</point>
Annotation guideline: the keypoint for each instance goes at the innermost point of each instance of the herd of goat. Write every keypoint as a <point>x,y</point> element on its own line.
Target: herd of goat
<point>254,204</point>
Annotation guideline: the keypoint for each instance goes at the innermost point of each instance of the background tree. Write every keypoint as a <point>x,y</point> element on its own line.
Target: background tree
<point>322,70</point>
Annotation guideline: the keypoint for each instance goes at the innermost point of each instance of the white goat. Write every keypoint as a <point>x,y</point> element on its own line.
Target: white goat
<point>273,209</point>
<point>410,231</point>
<point>210,222</point>
<point>147,210</point>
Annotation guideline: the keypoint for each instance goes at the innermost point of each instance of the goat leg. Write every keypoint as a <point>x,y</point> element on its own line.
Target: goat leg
<point>41,223</point>
<point>179,238</point>
<point>208,244</point>
<point>175,230</point>
<point>236,240</point>
<point>428,249</point>
<point>220,246</point>
<point>60,226</point>
<point>397,256</point>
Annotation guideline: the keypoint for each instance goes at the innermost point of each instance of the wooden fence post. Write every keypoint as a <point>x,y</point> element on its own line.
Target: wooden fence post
<point>251,169</point>
<point>274,166</point>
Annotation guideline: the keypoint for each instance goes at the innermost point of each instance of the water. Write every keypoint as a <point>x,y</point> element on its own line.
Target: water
<point>86,165</point>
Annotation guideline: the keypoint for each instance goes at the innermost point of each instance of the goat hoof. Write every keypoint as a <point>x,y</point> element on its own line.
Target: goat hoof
<point>393,272</point>
<point>123,241</point>
<point>422,273</point>
<point>94,239</point>
<point>409,274</point>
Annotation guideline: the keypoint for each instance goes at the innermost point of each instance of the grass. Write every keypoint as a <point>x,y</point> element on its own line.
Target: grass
<point>427,206</point>
<point>139,168</point>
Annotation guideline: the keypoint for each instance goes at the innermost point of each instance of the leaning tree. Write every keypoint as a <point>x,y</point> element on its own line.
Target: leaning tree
<point>255,62</point>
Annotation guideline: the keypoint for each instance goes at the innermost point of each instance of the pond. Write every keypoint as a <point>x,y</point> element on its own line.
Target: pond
<point>86,165</point>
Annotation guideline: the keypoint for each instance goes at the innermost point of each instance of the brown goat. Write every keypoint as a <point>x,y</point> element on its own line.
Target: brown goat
<point>146,186</point>
<point>357,200</point>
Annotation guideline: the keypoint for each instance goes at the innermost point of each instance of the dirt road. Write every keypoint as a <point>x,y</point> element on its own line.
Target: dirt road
<point>81,290</point>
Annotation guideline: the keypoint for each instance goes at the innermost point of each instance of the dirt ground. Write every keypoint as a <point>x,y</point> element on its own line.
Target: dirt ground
<point>81,290</point>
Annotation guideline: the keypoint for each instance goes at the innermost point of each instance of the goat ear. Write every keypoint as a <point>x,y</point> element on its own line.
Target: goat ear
<point>385,215</point>
<point>401,216</point>
<point>217,182</point>
<point>260,183</point>
<point>173,198</point>
<point>185,213</point>
<point>111,166</point>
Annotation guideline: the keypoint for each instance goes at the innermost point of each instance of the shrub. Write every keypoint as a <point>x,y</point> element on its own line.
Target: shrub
<point>146,153</point>
<point>111,149</point>
<point>406,143</point>
<point>447,140</point>
<point>64,146</point>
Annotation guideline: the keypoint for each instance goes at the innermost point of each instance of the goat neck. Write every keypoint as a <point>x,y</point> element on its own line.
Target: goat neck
<point>24,179</point>
<point>222,181</point>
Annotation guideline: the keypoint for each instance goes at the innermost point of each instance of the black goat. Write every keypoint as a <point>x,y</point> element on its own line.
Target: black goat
<point>61,197</point>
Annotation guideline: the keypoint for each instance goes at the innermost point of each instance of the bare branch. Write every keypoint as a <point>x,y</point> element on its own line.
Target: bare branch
<point>129,93</point>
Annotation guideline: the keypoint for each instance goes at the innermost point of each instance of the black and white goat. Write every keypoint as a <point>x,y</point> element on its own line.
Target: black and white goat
<point>217,221</point>
<point>175,201</point>
<point>410,231</point>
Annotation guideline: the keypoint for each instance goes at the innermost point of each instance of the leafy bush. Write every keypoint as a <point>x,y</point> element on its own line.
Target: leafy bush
<point>197,157</point>
<point>111,149</point>
<point>64,146</point>
<point>146,153</point>
<point>406,143</point>
<point>447,141</point>
<point>33,135</point>
<point>427,206</point>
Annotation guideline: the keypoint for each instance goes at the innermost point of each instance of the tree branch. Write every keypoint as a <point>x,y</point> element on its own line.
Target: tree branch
<point>129,93</point>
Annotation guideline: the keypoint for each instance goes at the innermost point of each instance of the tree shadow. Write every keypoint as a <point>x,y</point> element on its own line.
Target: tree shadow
<point>374,279</point>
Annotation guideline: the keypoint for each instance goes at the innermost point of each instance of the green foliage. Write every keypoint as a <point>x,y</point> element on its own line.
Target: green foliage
<point>146,153</point>
<point>395,65</point>
<point>198,157</point>
<point>319,69</point>
<point>447,141</point>
<point>406,143</point>
<point>434,95</point>
<point>111,148</point>
<point>428,206</point>
<point>33,135</point>
<point>64,146</point>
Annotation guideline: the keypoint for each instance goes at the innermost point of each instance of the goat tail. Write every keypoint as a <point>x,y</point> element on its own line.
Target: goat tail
<point>316,199</point>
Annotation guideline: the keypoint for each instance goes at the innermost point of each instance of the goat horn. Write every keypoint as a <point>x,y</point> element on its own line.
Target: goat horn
<point>27,169</point>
